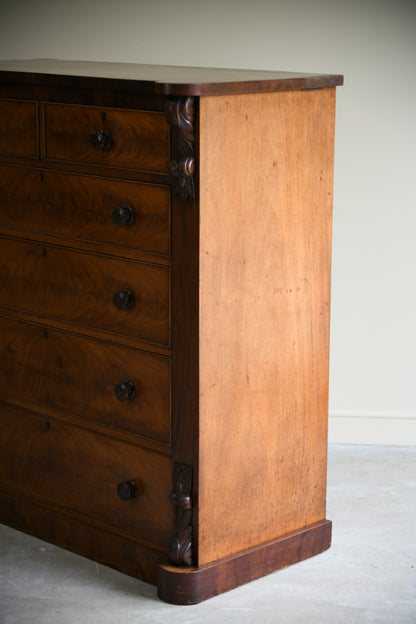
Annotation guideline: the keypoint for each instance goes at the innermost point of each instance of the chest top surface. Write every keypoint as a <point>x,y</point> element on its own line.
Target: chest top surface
<point>161,79</point>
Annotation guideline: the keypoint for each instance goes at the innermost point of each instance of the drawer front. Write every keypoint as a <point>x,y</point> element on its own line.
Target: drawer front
<point>18,128</point>
<point>115,212</point>
<point>85,289</point>
<point>105,136</point>
<point>110,384</point>
<point>78,470</point>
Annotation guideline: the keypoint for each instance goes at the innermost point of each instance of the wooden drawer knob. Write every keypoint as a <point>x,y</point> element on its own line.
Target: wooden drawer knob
<point>125,390</point>
<point>123,299</point>
<point>123,215</point>
<point>101,140</point>
<point>127,490</point>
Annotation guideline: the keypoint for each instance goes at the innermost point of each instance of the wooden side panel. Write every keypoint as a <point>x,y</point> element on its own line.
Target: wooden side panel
<point>266,179</point>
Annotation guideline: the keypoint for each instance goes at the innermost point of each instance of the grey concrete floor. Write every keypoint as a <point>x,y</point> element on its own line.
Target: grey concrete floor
<point>368,575</point>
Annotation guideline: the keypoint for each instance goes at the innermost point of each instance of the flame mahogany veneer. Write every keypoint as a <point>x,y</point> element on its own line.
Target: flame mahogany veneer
<point>165,267</point>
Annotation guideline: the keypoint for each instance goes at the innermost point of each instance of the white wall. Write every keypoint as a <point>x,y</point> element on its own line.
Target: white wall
<point>373,43</point>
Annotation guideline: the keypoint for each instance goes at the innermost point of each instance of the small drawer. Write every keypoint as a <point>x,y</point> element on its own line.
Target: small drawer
<point>19,128</point>
<point>114,212</point>
<point>83,472</point>
<point>105,136</point>
<point>110,384</point>
<point>118,296</point>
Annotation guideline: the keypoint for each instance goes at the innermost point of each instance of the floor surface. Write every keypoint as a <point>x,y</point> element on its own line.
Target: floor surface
<point>367,577</point>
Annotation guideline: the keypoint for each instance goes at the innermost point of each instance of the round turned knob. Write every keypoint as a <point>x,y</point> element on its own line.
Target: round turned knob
<point>101,140</point>
<point>126,490</point>
<point>125,390</point>
<point>123,299</point>
<point>123,215</point>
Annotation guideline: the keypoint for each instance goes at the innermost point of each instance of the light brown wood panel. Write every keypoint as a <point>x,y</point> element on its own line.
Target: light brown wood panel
<point>79,288</point>
<point>78,375</point>
<point>81,207</point>
<point>140,139</point>
<point>75,469</point>
<point>19,128</point>
<point>266,178</point>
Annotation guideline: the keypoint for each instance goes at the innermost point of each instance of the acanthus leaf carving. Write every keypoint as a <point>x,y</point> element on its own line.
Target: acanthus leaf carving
<point>180,116</point>
<point>180,547</point>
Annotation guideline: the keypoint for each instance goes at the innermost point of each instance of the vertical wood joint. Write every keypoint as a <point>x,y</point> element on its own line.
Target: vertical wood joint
<point>180,115</point>
<point>180,548</point>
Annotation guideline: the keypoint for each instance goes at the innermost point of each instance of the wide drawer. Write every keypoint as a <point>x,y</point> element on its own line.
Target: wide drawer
<point>105,136</point>
<point>80,471</point>
<point>118,386</point>
<point>18,128</point>
<point>85,289</point>
<point>115,212</point>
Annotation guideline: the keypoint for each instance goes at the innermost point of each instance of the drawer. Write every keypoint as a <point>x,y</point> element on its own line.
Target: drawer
<point>85,289</point>
<point>105,136</point>
<point>18,128</point>
<point>115,212</point>
<point>78,470</point>
<point>110,384</point>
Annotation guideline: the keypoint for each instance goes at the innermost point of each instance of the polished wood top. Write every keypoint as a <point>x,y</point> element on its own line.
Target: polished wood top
<point>161,79</point>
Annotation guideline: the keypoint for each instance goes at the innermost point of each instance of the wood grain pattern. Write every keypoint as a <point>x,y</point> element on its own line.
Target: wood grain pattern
<point>81,534</point>
<point>218,357</point>
<point>160,79</point>
<point>79,288</point>
<point>81,207</point>
<point>78,375</point>
<point>74,469</point>
<point>19,128</point>
<point>192,585</point>
<point>265,250</point>
<point>140,139</point>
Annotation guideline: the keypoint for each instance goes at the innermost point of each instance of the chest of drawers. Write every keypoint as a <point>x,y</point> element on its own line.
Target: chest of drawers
<point>165,242</point>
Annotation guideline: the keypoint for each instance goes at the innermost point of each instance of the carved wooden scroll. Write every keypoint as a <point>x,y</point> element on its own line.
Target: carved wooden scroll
<point>180,548</point>
<point>180,115</point>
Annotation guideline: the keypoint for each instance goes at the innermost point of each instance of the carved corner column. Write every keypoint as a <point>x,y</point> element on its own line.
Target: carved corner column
<point>180,116</point>
<point>180,113</point>
<point>180,548</point>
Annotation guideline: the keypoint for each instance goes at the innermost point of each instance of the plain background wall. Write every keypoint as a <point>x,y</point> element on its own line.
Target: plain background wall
<point>373,43</point>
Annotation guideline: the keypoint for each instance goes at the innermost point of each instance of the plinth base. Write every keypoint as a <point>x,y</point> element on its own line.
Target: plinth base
<point>186,586</point>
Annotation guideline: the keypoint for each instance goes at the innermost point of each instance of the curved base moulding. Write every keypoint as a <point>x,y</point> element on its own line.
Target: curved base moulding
<point>187,586</point>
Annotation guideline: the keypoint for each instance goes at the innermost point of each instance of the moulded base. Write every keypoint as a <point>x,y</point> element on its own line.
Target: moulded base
<point>187,586</point>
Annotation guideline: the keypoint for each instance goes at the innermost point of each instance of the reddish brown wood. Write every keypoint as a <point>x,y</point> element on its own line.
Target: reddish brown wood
<point>192,585</point>
<point>69,129</point>
<point>180,115</point>
<point>78,375</point>
<point>166,80</point>
<point>81,207</point>
<point>181,547</point>
<point>19,128</point>
<point>134,301</point>
<point>264,275</point>
<point>74,469</point>
<point>79,288</point>
<point>82,535</point>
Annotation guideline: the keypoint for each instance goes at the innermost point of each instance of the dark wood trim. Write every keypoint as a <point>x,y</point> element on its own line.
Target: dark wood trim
<point>251,86</point>
<point>180,116</point>
<point>154,80</point>
<point>185,333</point>
<point>180,548</point>
<point>192,585</point>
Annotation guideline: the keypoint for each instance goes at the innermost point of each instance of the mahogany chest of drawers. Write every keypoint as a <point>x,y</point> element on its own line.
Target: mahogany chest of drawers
<point>165,244</point>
